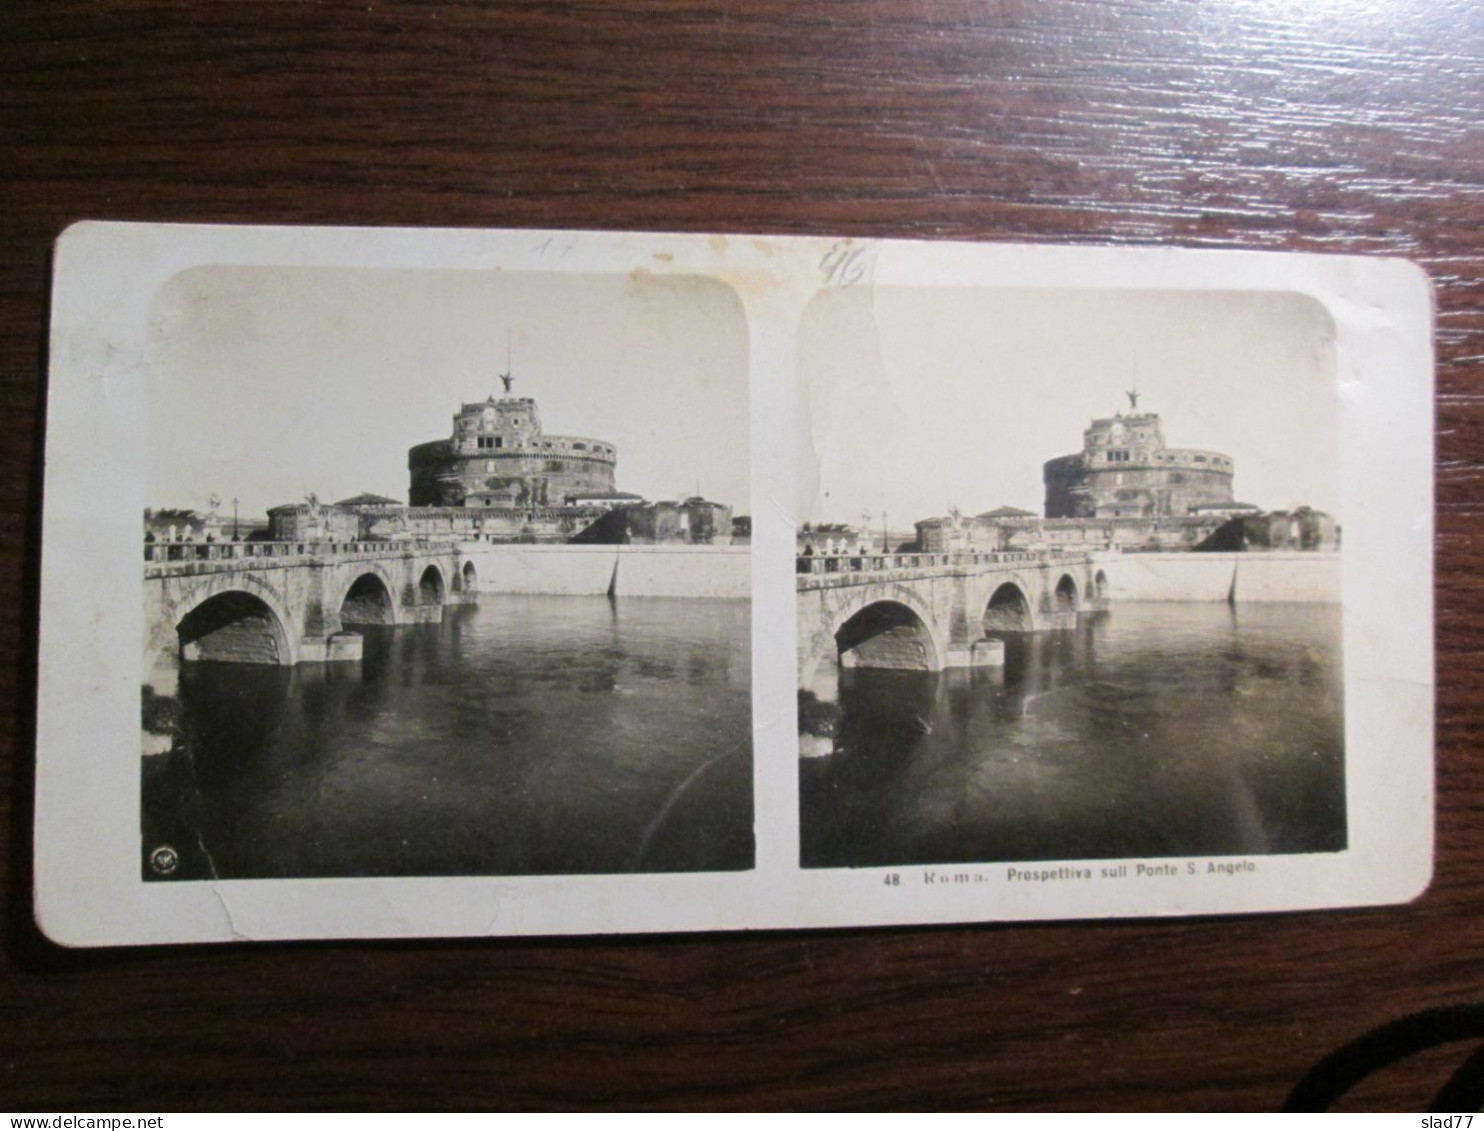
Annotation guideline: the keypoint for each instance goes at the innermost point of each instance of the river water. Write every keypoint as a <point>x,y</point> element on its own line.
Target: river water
<point>524,735</point>
<point>1153,730</point>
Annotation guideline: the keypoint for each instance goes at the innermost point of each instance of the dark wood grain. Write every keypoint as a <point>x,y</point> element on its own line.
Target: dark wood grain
<point>1329,126</point>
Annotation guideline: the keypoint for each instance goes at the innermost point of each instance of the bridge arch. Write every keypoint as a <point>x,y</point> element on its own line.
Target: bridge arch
<point>432,587</point>
<point>1009,609</point>
<point>234,619</point>
<point>887,634</point>
<point>1065,598</point>
<point>866,614</point>
<point>369,597</point>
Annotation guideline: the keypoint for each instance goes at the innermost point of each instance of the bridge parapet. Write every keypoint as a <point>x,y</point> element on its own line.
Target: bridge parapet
<point>169,558</point>
<point>826,571</point>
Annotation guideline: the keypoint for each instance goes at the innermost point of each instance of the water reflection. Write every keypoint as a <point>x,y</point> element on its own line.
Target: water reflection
<point>528,735</point>
<point>1157,730</point>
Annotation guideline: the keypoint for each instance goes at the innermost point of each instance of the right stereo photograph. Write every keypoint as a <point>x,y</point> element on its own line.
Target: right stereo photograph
<point>1068,576</point>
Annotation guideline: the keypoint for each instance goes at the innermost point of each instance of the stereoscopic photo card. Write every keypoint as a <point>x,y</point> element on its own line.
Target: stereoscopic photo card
<point>405,583</point>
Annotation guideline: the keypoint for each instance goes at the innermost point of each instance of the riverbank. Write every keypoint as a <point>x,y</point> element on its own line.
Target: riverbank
<point>628,571</point>
<point>1244,578</point>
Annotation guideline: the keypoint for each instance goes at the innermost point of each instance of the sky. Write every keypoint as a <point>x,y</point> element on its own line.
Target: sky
<point>915,400</point>
<point>270,383</point>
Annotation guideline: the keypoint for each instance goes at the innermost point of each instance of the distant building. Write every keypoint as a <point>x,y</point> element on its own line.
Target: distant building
<point>1124,470</point>
<point>1301,529</point>
<point>366,499</point>
<point>828,537</point>
<point>498,456</point>
<point>694,522</point>
<point>180,524</point>
<point>1006,530</point>
<point>313,522</point>
<point>393,522</point>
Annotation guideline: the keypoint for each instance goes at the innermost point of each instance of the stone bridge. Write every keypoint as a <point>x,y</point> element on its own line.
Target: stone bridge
<point>286,602</point>
<point>928,612</point>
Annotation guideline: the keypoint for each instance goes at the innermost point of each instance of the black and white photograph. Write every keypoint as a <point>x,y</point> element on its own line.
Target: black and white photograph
<point>444,573</point>
<point>1068,577</point>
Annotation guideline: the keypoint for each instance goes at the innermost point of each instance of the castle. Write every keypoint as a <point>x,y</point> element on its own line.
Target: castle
<point>498,456</point>
<point>1125,470</point>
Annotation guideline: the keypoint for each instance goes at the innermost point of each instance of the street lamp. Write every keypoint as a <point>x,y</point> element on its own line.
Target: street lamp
<point>235,537</point>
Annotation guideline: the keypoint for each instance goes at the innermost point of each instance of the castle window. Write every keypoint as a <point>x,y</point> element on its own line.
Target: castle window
<point>579,447</point>
<point>499,442</point>
<point>1200,459</point>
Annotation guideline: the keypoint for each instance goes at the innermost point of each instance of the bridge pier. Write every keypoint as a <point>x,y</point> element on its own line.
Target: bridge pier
<point>338,647</point>
<point>985,653</point>
<point>324,638</point>
<point>968,646</point>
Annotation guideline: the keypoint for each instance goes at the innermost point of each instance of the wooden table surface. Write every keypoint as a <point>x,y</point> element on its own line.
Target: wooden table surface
<point>1332,125</point>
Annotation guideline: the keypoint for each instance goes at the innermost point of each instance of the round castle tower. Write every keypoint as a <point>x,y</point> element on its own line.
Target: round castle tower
<point>1124,470</point>
<point>498,456</point>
